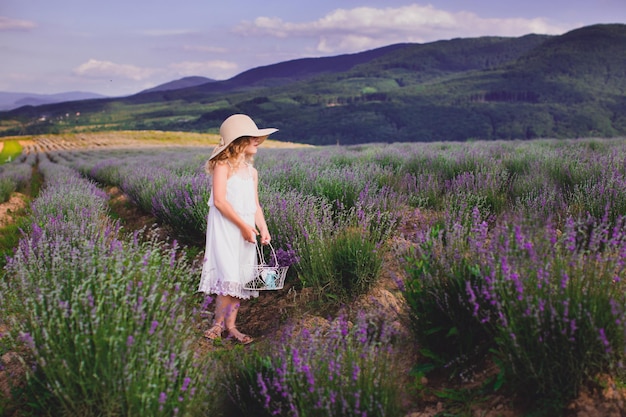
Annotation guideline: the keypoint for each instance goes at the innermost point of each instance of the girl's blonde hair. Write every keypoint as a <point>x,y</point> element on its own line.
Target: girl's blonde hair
<point>231,155</point>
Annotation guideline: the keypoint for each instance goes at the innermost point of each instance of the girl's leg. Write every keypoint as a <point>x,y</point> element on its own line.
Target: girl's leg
<point>222,309</point>
<point>226,309</point>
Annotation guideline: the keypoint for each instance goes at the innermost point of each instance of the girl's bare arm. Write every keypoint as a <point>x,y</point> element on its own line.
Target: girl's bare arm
<point>259,217</point>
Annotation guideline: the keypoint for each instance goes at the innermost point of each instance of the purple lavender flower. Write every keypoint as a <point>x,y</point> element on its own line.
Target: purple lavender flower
<point>28,340</point>
<point>564,280</point>
<point>604,340</point>
<point>153,327</point>
<point>264,391</point>
<point>186,383</point>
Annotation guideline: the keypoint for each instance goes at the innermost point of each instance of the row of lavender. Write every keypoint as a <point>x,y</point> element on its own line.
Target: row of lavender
<point>539,179</point>
<point>15,176</point>
<point>101,317</point>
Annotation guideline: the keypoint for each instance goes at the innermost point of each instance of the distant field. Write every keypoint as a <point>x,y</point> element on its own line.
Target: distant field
<point>120,139</point>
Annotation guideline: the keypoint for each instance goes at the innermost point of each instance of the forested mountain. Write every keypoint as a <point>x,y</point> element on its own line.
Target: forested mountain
<point>572,85</point>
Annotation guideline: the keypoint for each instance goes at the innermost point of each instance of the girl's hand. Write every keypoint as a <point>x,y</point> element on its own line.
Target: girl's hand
<point>249,234</point>
<point>265,238</point>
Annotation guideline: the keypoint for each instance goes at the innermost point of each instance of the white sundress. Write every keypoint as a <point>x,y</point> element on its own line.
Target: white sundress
<point>229,261</point>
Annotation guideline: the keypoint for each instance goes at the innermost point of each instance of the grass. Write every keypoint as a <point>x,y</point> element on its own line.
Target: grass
<point>10,151</point>
<point>10,235</point>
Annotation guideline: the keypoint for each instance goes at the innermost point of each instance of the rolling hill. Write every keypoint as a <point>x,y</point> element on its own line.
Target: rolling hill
<point>572,85</point>
<point>10,101</point>
<point>178,84</point>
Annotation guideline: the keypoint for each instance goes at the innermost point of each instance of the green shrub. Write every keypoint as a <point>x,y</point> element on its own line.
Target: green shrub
<point>340,265</point>
<point>355,261</point>
<point>440,307</point>
<point>7,187</point>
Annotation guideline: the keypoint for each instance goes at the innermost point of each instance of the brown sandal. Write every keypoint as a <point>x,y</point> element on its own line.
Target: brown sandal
<point>215,332</point>
<point>244,339</point>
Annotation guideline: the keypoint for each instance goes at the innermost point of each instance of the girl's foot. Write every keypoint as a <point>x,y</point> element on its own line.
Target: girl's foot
<point>244,339</point>
<point>215,332</point>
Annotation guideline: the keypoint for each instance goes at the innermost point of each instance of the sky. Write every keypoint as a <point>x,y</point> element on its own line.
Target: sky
<point>121,47</point>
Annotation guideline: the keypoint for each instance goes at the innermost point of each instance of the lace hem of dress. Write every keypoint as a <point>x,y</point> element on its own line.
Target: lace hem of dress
<point>232,289</point>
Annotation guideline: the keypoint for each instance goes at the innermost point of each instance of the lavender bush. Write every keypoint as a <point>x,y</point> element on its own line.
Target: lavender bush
<point>345,369</point>
<point>67,195</point>
<point>13,176</point>
<point>174,189</point>
<point>559,303</point>
<point>550,302</point>
<point>334,215</point>
<point>435,288</point>
<point>539,179</point>
<point>182,204</point>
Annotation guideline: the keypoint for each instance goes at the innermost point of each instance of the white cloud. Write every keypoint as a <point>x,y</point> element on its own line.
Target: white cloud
<point>7,24</point>
<point>106,69</point>
<point>348,43</point>
<point>349,30</point>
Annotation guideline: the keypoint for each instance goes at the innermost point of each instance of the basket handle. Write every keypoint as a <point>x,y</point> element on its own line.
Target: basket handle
<point>262,258</point>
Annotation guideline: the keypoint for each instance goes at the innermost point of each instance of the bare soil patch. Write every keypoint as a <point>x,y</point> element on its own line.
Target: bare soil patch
<point>9,208</point>
<point>130,216</point>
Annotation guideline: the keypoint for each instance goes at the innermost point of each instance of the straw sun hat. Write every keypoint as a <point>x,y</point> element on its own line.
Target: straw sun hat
<point>236,126</point>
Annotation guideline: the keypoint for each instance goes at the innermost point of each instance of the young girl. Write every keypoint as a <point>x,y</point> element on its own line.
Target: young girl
<point>234,216</point>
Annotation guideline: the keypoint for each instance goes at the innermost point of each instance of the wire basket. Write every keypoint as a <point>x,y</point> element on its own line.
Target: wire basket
<point>267,277</point>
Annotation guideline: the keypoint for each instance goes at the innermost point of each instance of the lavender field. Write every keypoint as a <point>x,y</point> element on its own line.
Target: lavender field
<point>508,253</point>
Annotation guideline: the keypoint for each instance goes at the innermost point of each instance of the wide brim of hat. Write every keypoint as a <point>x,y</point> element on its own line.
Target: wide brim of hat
<point>262,134</point>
